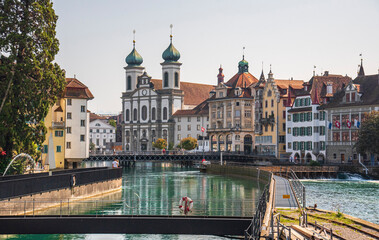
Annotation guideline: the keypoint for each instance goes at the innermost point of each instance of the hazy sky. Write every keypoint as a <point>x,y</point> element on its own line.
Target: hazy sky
<point>295,35</point>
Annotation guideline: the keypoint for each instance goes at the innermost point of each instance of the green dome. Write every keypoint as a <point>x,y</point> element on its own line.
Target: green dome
<point>243,66</point>
<point>134,58</point>
<point>171,54</point>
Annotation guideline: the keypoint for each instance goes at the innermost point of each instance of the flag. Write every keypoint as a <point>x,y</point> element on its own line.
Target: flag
<point>358,124</point>
<point>338,124</point>
<point>355,122</point>
<point>348,123</point>
<point>330,125</point>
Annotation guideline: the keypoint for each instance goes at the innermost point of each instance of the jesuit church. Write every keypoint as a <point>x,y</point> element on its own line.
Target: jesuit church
<point>148,104</point>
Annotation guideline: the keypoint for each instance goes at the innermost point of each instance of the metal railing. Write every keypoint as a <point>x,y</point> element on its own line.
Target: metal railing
<point>280,228</point>
<point>253,231</point>
<point>298,188</point>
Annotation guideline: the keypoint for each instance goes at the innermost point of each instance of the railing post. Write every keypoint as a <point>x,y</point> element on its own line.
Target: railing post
<point>304,205</point>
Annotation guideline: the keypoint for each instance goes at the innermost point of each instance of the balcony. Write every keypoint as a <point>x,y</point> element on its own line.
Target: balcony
<point>58,125</point>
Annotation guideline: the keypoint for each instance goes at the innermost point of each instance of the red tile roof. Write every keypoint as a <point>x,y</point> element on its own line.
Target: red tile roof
<point>76,89</point>
<point>320,82</point>
<point>242,80</point>
<point>194,93</point>
<point>201,109</point>
<point>93,116</point>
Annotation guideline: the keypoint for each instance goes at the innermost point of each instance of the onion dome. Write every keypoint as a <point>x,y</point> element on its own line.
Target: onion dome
<point>243,65</point>
<point>171,54</point>
<point>134,58</point>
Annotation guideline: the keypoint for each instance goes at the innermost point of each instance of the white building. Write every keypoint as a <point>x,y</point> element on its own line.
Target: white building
<point>102,134</point>
<point>188,123</point>
<point>77,122</point>
<point>306,135</point>
<point>148,104</point>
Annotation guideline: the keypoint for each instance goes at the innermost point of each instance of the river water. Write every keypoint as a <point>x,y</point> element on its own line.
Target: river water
<point>156,188</point>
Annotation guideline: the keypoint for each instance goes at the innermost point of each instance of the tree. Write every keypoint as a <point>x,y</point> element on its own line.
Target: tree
<point>92,146</point>
<point>112,123</point>
<point>189,143</point>
<point>160,143</point>
<point>368,136</point>
<point>31,82</point>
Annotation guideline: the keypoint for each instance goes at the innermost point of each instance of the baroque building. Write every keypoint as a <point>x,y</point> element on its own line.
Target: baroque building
<point>231,112</point>
<point>149,104</point>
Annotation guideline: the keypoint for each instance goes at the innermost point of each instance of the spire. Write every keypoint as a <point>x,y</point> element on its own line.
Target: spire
<point>171,54</point>
<point>220,76</point>
<point>270,75</point>
<point>315,97</point>
<point>134,58</point>
<point>262,77</point>
<point>243,65</point>
<point>361,71</point>
<point>289,99</point>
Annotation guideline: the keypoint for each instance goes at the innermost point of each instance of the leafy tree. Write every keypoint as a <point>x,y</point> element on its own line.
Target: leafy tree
<point>30,80</point>
<point>170,146</point>
<point>92,146</point>
<point>112,123</point>
<point>188,143</point>
<point>368,136</point>
<point>160,143</point>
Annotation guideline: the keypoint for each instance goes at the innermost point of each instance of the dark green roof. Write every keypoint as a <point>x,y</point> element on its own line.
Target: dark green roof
<point>171,54</point>
<point>134,58</point>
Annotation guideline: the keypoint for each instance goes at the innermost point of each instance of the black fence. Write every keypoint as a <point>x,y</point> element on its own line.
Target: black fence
<point>37,183</point>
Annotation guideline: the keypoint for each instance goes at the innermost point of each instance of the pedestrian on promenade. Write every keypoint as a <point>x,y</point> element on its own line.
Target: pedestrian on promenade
<point>115,163</point>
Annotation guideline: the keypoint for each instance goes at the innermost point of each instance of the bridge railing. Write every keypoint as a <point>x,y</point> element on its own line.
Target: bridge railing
<point>298,188</point>
<point>136,206</point>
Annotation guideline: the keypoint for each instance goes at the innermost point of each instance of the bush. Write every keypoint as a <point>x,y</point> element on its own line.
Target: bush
<point>314,163</point>
<point>188,143</point>
<point>160,143</point>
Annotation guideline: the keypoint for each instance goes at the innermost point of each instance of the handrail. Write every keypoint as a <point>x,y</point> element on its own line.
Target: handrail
<point>298,188</point>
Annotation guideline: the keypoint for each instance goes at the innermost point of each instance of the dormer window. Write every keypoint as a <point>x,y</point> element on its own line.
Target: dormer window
<point>353,96</point>
<point>221,94</point>
<point>329,88</point>
<point>238,91</point>
<point>347,96</point>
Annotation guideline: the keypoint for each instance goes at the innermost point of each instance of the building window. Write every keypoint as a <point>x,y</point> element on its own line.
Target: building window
<point>179,137</point>
<point>82,123</point>
<point>97,130</point>
<point>69,115</point>
<point>69,101</point>
<point>82,138</point>
<point>127,114</point>
<point>104,131</point>
<point>289,117</point>
<point>266,104</point>
<point>83,108</point>
<point>144,112</point>
<point>59,149</point>
<point>179,119</point>
<point>238,113</point>
<point>166,79</point>
<point>129,83</point>
<point>284,114</point>
<point>176,79</point>
<point>289,145</point>
<point>68,145</point>
<point>189,127</point>
<point>179,127</point>
<point>221,94</point>
<point>284,127</point>
<point>353,97</point>
<point>289,130</point>
<point>198,127</point>
<point>198,119</point>
<point>153,114</point>
<point>69,129</point>
<point>237,103</point>
<point>104,143</point>
<point>237,137</point>
<point>59,133</point>
<point>135,114</point>
<point>272,102</point>
<point>164,113</point>
<point>189,119</point>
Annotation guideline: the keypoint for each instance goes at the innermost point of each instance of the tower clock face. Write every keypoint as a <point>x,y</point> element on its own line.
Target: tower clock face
<point>144,92</point>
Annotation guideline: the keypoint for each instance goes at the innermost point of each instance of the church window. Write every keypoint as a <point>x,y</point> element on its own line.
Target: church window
<point>135,114</point>
<point>129,83</point>
<point>153,114</point>
<point>166,79</point>
<point>144,113</point>
<point>269,93</point>
<point>176,79</point>
<point>164,113</point>
<point>127,113</point>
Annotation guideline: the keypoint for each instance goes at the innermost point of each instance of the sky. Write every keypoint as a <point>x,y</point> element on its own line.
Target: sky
<point>292,36</point>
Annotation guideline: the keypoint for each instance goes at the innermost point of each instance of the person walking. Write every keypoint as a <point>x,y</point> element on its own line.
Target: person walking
<point>115,163</point>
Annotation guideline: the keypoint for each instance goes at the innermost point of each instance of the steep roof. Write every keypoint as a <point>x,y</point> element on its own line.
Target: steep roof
<point>320,82</point>
<point>296,85</point>
<point>368,87</point>
<point>93,116</point>
<point>242,80</point>
<point>76,89</point>
<point>201,109</point>
<point>194,93</point>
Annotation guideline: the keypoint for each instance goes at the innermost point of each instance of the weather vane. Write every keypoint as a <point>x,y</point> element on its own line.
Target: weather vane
<point>134,37</point>
<point>171,32</point>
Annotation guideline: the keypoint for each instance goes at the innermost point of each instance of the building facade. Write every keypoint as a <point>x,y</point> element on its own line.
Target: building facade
<point>149,104</point>
<point>231,112</point>
<point>102,134</point>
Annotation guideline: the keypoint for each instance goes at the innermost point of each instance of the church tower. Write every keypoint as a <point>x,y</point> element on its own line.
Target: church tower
<point>133,69</point>
<point>171,67</point>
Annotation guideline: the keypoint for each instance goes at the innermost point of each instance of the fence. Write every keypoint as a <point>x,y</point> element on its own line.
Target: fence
<point>38,183</point>
<point>298,188</point>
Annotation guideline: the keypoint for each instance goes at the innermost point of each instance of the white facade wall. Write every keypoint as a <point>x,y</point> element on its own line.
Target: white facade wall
<point>77,142</point>
<point>100,131</point>
<point>195,128</point>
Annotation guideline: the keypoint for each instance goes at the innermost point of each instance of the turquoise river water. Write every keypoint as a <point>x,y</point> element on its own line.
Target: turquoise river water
<point>155,188</point>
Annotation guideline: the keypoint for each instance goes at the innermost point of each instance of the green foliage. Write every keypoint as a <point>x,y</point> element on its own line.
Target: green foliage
<point>314,163</point>
<point>368,136</point>
<point>112,123</point>
<point>170,146</point>
<point>92,146</point>
<point>160,143</point>
<point>188,143</point>
<point>31,82</point>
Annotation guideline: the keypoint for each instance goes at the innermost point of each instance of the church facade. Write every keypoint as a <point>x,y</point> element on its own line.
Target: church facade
<point>149,104</point>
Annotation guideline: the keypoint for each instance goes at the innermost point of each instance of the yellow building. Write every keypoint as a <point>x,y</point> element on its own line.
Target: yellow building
<point>54,145</point>
<point>272,140</point>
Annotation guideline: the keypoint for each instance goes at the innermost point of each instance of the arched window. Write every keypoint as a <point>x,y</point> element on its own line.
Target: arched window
<point>166,79</point>
<point>165,134</point>
<point>144,113</point>
<point>153,114</point>
<point>176,79</point>
<point>129,83</point>
<point>238,137</point>
<point>127,114</point>
<point>269,93</point>
<point>164,113</point>
<point>135,114</point>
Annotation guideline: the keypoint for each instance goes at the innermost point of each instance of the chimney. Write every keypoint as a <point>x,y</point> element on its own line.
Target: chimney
<point>326,73</point>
